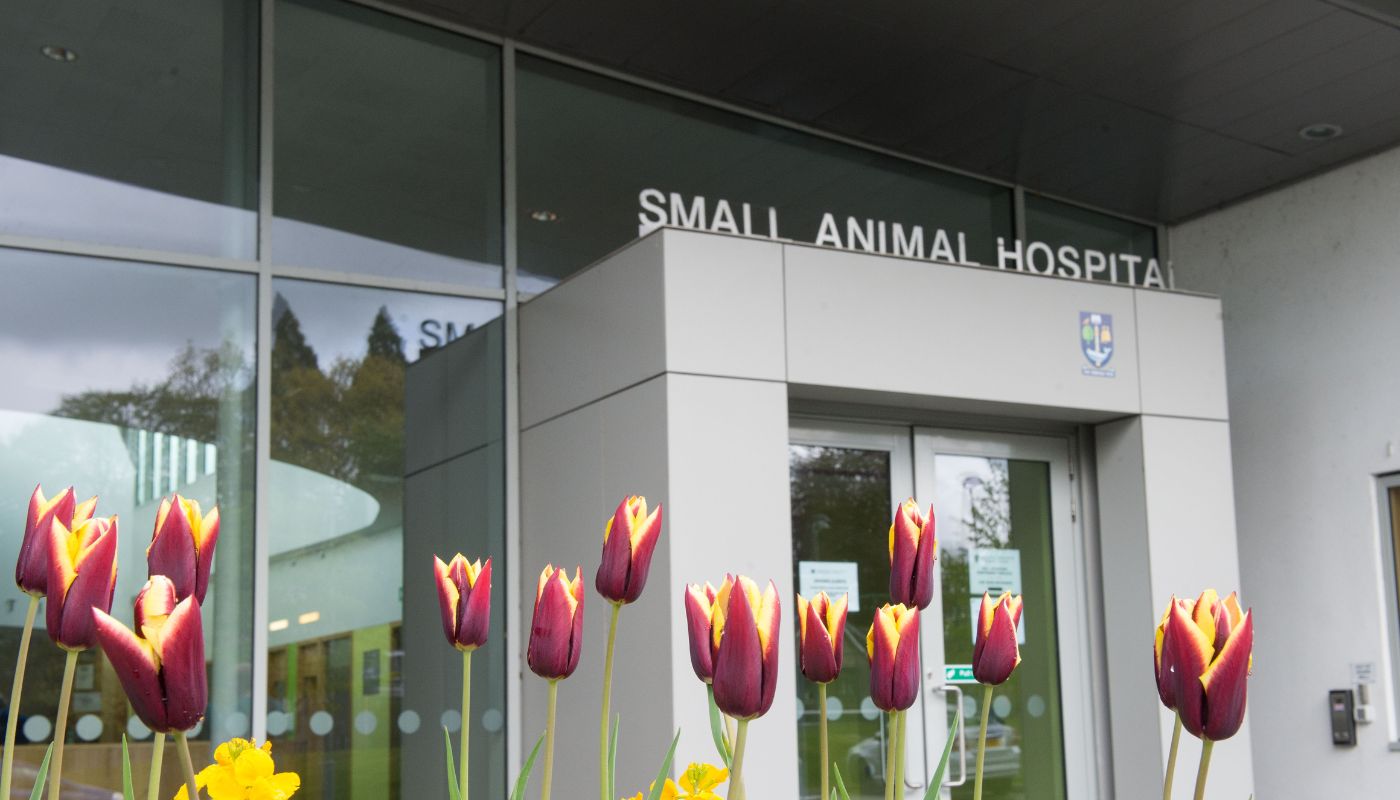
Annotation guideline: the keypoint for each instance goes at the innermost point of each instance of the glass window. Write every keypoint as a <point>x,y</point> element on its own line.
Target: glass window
<point>130,124</point>
<point>1106,248</point>
<point>128,381</point>
<point>357,689</point>
<point>386,146</point>
<point>589,146</point>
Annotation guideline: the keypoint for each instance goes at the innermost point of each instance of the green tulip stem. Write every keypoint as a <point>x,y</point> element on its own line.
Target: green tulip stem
<point>157,758</point>
<point>982,740</point>
<point>1206,746</point>
<point>183,745</point>
<point>899,755</point>
<point>549,740</point>
<point>13,723</point>
<point>891,745</point>
<point>466,720</point>
<point>728,727</point>
<point>736,776</point>
<point>607,703</point>
<point>826,768</point>
<point>60,726</point>
<point>1171,759</point>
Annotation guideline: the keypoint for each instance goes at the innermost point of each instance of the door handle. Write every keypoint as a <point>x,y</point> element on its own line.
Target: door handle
<point>953,689</point>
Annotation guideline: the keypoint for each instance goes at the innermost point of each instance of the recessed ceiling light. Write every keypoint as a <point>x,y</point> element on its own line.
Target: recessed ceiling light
<point>58,52</point>
<point>1319,131</point>
<point>543,216</point>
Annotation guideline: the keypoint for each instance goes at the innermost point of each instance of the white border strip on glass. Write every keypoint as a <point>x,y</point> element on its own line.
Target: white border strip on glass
<point>119,253</point>
<point>382,282</point>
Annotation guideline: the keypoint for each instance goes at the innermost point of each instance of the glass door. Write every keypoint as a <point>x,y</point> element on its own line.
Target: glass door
<point>1004,523</point>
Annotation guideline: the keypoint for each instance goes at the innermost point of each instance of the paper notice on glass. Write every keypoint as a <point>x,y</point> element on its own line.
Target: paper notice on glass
<point>833,577</point>
<point>994,571</point>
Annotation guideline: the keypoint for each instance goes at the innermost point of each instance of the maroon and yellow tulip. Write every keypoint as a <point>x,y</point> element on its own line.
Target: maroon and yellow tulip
<point>893,647</point>
<point>32,567</point>
<point>701,610</point>
<point>556,632</point>
<point>913,548</point>
<point>1210,646</point>
<point>464,595</point>
<point>745,634</point>
<point>82,576</point>
<point>627,555</point>
<point>182,545</point>
<point>160,664</point>
<point>822,623</point>
<point>1161,661</point>
<point>995,655</point>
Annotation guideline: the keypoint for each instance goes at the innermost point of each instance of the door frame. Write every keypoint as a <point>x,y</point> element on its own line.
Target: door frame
<point>1071,571</point>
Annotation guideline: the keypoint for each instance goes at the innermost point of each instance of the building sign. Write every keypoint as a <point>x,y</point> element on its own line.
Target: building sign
<point>1096,342</point>
<point>958,673</point>
<point>895,238</point>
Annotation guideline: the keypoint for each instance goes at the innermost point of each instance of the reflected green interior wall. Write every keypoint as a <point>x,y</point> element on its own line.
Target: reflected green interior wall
<point>370,757</point>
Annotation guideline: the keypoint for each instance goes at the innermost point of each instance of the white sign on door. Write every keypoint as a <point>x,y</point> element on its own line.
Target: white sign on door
<point>833,577</point>
<point>993,571</point>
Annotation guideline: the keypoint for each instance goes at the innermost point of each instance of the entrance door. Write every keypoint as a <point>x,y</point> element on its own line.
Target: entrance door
<point>1004,522</point>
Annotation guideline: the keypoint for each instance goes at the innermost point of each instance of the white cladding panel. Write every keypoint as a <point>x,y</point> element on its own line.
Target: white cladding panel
<point>598,332</point>
<point>887,324</point>
<point>724,306</point>
<point>728,468</point>
<point>1181,349</point>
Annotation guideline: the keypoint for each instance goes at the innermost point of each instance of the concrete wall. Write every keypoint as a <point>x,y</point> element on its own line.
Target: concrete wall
<point>1310,281</point>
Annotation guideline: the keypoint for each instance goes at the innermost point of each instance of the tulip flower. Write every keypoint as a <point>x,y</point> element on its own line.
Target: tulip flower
<point>32,576</point>
<point>1210,647</point>
<point>892,644</point>
<point>627,557</point>
<point>744,630</point>
<point>822,626</point>
<point>82,576</point>
<point>464,595</point>
<point>182,545</point>
<point>556,638</point>
<point>913,548</point>
<point>700,612</point>
<point>629,538</point>
<point>995,655</point>
<point>161,663</point>
<point>32,567</point>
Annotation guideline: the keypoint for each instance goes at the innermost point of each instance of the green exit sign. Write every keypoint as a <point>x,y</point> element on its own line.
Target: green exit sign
<point>958,673</point>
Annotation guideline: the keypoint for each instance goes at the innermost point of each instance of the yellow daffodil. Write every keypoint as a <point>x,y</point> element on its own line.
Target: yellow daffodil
<point>244,771</point>
<point>698,782</point>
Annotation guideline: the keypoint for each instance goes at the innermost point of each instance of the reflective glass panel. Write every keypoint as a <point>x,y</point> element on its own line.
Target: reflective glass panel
<point>130,382</point>
<point>358,690</point>
<point>590,145</point>
<point>130,124</point>
<point>838,496</point>
<point>386,146</point>
<point>993,536</point>
<point>1126,250</point>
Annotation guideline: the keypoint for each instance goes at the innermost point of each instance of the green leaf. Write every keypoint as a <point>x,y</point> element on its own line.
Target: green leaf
<point>128,793</point>
<point>42,776</point>
<point>717,729</point>
<point>523,779</point>
<point>936,782</point>
<point>660,782</point>
<point>840,784</point>
<point>612,757</point>
<point>453,791</point>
